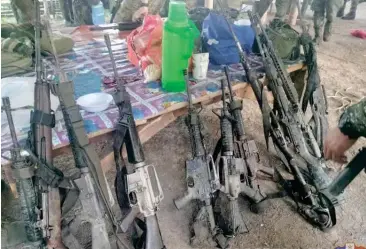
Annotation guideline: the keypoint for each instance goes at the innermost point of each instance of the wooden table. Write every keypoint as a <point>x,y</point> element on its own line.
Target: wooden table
<point>147,128</point>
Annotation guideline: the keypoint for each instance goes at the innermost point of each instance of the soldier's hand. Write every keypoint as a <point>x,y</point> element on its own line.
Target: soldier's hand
<point>336,144</point>
<point>140,14</point>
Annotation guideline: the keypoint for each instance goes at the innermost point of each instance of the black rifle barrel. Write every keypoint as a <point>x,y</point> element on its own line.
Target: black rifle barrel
<point>7,109</point>
<point>134,149</point>
<point>226,126</point>
<point>229,83</point>
<point>37,43</point>
<point>194,125</point>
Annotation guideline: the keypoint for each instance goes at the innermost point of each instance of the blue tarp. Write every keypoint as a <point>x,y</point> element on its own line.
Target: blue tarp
<point>219,43</point>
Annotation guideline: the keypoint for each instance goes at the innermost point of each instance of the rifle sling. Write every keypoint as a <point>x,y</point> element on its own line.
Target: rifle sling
<point>120,134</point>
<point>42,118</point>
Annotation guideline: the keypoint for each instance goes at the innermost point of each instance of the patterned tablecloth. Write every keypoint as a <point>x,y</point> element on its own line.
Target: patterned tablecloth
<point>89,62</point>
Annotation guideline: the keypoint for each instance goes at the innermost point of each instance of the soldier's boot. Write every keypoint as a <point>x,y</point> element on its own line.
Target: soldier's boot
<point>350,16</point>
<point>327,31</point>
<point>317,36</point>
<point>340,12</point>
<point>352,12</point>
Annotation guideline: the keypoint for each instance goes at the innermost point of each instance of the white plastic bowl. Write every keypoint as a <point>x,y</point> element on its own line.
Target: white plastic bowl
<point>94,102</point>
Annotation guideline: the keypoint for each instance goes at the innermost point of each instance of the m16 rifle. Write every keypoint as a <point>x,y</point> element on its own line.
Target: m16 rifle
<point>23,172</point>
<point>245,148</point>
<point>232,173</point>
<point>202,179</point>
<point>138,187</point>
<point>47,178</point>
<point>314,92</point>
<point>292,137</point>
<point>95,195</point>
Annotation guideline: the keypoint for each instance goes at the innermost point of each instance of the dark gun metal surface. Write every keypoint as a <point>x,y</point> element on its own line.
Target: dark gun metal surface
<point>138,187</point>
<point>96,198</point>
<point>293,139</point>
<point>23,172</point>
<point>42,122</point>
<point>202,180</point>
<point>230,170</point>
<point>121,26</point>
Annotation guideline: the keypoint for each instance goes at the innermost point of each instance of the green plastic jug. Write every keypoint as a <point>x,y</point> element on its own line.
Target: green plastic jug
<point>179,34</point>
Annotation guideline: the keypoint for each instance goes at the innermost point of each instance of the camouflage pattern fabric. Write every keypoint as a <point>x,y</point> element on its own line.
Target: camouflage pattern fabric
<point>324,9</point>
<point>24,10</point>
<point>14,63</point>
<point>82,12</point>
<point>21,45</point>
<point>353,121</point>
<point>282,7</point>
<point>126,10</point>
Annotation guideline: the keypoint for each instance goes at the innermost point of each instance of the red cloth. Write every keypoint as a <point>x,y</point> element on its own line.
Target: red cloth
<point>359,33</point>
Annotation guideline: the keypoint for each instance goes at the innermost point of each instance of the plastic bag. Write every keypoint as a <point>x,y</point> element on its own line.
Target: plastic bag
<point>144,44</point>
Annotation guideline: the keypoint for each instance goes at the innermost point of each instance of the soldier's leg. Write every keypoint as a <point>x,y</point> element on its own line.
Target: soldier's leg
<point>126,10</point>
<point>352,12</point>
<point>282,7</point>
<point>331,8</point>
<point>304,7</point>
<point>318,18</point>
<point>25,10</point>
<point>340,12</point>
<point>82,13</point>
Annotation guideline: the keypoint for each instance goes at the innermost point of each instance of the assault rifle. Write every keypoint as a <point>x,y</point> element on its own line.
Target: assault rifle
<point>232,171</point>
<point>292,137</point>
<point>23,172</point>
<point>202,179</point>
<point>138,188</point>
<point>95,194</point>
<point>47,178</point>
<point>245,148</point>
<point>314,92</point>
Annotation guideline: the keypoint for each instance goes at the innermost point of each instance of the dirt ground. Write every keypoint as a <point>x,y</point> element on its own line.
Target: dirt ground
<point>342,65</point>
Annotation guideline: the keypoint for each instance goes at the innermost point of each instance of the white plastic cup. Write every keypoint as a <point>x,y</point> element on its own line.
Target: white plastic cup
<point>200,66</point>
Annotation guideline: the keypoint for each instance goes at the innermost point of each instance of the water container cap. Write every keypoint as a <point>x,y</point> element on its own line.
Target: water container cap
<point>177,12</point>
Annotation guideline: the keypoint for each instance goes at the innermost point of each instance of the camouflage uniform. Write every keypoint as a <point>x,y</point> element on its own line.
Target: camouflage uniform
<point>352,12</point>
<point>82,12</point>
<point>23,10</point>
<point>324,8</point>
<point>353,121</point>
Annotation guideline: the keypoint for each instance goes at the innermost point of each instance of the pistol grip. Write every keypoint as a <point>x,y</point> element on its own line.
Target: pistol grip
<point>183,201</point>
<point>129,218</point>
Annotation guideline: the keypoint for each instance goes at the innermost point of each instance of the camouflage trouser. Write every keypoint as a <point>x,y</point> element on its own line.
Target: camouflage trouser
<point>82,12</point>
<point>24,10</point>
<point>126,10</point>
<point>354,4</point>
<point>324,8</point>
<point>66,9</point>
<point>282,7</point>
